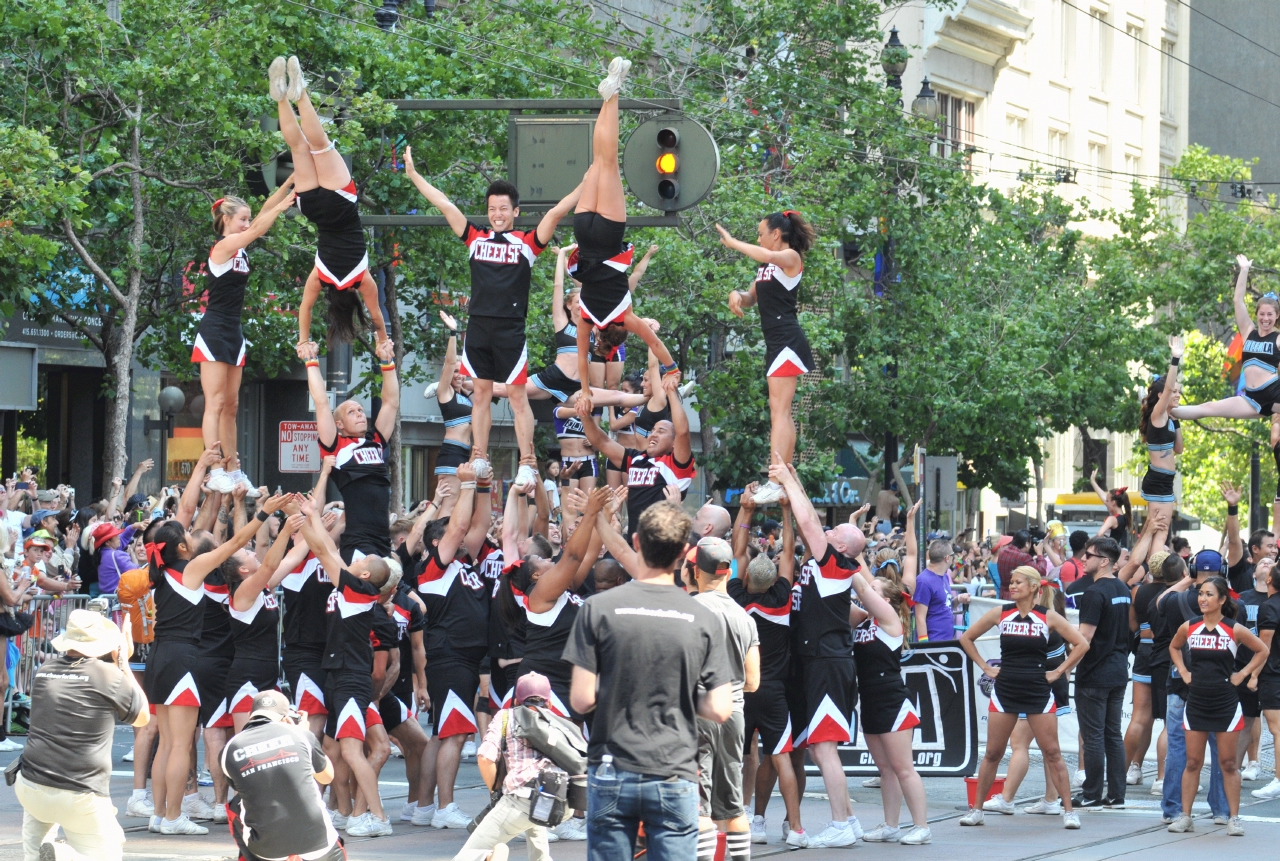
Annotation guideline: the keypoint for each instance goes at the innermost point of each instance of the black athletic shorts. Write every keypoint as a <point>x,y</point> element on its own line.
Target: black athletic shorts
<point>1268,692</point>
<point>494,348</point>
<point>452,686</point>
<point>502,682</point>
<point>1142,662</point>
<point>765,710</point>
<point>351,709</point>
<point>1159,691</point>
<point>1250,701</point>
<point>1022,694</point>
<point>787,352</point>
<point>395,709</point>
<point>170,678</point>
<point>306,677</point>
<point>797,711</point>
<point>219,338</point>
<point>1157,485</point>
<point>1264,398</point>
<point>606,292</point>
<point>452,455</point>
<point>830,695</point>
<point>617,354</point>
<point>211,677</point>
<point>573,468</point>
<point>246,679</point>
<point>342,256</point>
<point>887,709</point>
<point>556,383</point>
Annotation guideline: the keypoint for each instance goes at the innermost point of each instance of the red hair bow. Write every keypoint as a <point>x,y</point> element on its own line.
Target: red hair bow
<point>153,552</point>
<point>911,605</point>
<point>788,212</point>
<point>218,203</point>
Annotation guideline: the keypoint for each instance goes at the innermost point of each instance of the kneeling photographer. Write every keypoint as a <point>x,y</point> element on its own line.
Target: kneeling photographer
<point>531,789</point>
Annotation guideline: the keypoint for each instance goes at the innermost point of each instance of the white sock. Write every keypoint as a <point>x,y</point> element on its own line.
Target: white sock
<point>138,793</point>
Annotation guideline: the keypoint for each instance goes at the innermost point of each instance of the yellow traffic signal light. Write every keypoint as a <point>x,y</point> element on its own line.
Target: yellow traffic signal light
<point>668,139</point>
<point>666,163</point>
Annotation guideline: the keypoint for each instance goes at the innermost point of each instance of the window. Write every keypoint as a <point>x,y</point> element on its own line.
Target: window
<point>1098,50</point>
<point>956,117</point>
<point>1058,146</point>
<point>1166,78</point>
<point>1132,168</point>
<point>1060,44</point>
<point>1097,179</point>
<point>1015,132</point>
<point>1136,48</point>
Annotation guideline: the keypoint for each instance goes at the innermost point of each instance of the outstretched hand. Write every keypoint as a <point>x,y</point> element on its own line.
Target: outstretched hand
<point>1231,495</point>
<point>386,350</point>
<point>597,500</point>
<point>1244,262</point>
<point>449,321</point>
<point>726,238</point>
<point>409,169</point>
<point>1176,346</point>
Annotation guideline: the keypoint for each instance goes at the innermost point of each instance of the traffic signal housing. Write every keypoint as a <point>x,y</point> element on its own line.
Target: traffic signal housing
<point>670,162</point>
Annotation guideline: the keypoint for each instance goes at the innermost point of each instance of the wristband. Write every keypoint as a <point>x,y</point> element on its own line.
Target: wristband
<point>1233,510</point>
<point>261,515</point>
<point>468,485</point>
<point>313,363</point>
<point>923,639</point>
<point>1175,361</point>
<point>484,487</point>
<point>389,366</point>
<point>744,526</point>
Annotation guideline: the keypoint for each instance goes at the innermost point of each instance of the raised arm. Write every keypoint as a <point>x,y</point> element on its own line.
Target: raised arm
<point>386,420</point>
<point>788,258</point>
<point>555,582</point>
<point>886,617</point>
<point>615,544</point>
<point>190,500</point>
<point>815,536</point>
<point>481,518</point>
<point>637,272</point>
<point>683,447</point>
<point>138,471</point>
<point>911,559</point>
<point>317,538</point>
<point>1097,488</point>
<point>512,522</point>
<point>547,226</point>
<point>1235,547</point>
<point>542,509</point>
<point>1154,525</point>
<point>559,318</point>
<point>272,209</point>
<point>306,348</point>
<point>199,567</point>
<point>600,440</point>
<point>1160,415</point>
<point>247,591</point>
<point>326,429</point>
<point>460,518</point>
<point>742,528</point>
<point>436,197</point>
<point>1243,321</point>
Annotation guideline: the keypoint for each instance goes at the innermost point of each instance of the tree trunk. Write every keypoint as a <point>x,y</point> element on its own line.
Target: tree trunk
<point>903,490</point>
<point>394,450</point>
<point>705,430</point>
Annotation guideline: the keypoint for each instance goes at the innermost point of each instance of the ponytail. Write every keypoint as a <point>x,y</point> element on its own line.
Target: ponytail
<point>162,549</point>
<point>796,232</point>
<point>346,314</point>
<point>223,209</point>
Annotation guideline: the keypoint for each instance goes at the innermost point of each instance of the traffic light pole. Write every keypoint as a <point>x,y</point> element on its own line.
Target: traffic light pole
<point>524,220</point>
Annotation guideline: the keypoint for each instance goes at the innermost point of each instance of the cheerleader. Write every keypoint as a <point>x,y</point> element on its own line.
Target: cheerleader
<point>1213,702</point>
<point>607,365</point>
<point>599,223</point>
<point>178,575</point>
<point>453,395</point>
<point>220,345</point>
<point>327,197</point>
<point>1119,512</point>
<point>1024,683</point>
<point>888,714</point>
<point>784,238</point>
<point>1164,440</point>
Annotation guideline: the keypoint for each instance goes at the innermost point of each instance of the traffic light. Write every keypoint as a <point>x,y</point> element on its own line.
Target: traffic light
<point>668,163</point>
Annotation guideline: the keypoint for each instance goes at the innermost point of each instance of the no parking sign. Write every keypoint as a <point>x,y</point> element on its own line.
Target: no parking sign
<point>299,447</point>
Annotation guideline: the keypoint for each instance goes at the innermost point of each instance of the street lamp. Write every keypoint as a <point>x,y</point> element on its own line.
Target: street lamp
<point>387,16</point>
<point>893,59</point>
<point>171,401</point>
<point>925,105</point>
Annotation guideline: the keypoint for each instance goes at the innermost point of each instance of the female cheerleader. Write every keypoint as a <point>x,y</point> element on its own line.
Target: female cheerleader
<point>599,222</point>
<point>452,393</point>
<point>888,714</point>
<point>1119,511</point>
<point>178,575</point>
<point>1024,683</point>
<point>220,343</point>
<point>784,238</point>
<point>1261,357</point>
<point>1213,703</point>
<point>607,363</point>
<point>622,426</point>
<point>1267,677</point>
<point>327,198</point>
<point>1163,438</point>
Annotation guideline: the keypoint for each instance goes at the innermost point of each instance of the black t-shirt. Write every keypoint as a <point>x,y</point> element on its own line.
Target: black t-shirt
<point>385,633</point>
<point>648,479</point>
<point>771,610</point>
<point>1240,575</point>
<point>1105,604</point>
<point>651,646</point>
<point>1176,609</point>
<point>821,615</point>
<point>457,600</point>
<point>1142,599</point>
<point>306,598</point>
<point>1078,585</point>
<point>361,476</point>
<point>501,267</point>
<point>272,766</point>
<point>410,619</point>
<point>75,703</point>
<point>1248,605</point>
<point>1269,620</point>
<point>350,611</point>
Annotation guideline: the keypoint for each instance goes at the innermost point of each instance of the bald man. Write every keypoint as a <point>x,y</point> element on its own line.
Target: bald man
<point>712,521</point>
<point>824,645</point>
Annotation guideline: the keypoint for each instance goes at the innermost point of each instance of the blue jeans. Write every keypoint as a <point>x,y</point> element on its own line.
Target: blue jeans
<point>615,809</point>
<point>1175,763</point>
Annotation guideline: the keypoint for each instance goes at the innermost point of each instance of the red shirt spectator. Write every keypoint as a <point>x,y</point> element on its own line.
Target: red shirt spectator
<point>1014,554</point>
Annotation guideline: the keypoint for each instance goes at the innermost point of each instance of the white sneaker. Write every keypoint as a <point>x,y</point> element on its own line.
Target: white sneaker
<point>1182,825</point>
<point>220,481</point>
<point>1235,828</point>
<point>197,807</point>
<point>406,812</point>
<point>9,745</point>
<point>917,836</point>
<point>1220,820</point>
<point>1157,787</point>
<point>339,821</point>
<point>182,825</point>
<point>153,825</point>
<point>759,831</point>
<point>370,826</point>
<point>430,393</point>
<point>1249,772</point>
<point>685,389</point>
<point>856,826</point>
<point>797,839</point>
<point>997,804</point>
<point>128,757</point>
<point>1071,821</point>
<point>220,813</point>
<point>525,478</point>
<point>612,85</point>
<point>469,750</point>
<point>872,783</point>
<point>242,480</point>
<point>204,778</point>
<point>397,752</point>
<point>450,817</point>
<point>141,806</point>
<point>424,815</point>
<point>973,817</point>
<point>1045,808</point>
<point>482,468</point>
<point>1077,780</point>
<point>883,834</point>
<point>277,83</point>
<point>834,836</point>
<point>571,829</point>
<point>769,494</point>
<point>1134,776</point>
<point>297,83</point>
<point>1271,790</point>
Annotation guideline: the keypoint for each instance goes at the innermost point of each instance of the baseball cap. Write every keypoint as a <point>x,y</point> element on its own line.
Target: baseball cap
<point>41,537</point>
<point>714,555</point>
<point>532,685</point>
<point>1209,560</point>
<point>271,704</point>
<point>42,513</point>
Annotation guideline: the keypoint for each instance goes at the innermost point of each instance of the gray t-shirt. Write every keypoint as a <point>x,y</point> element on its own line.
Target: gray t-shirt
<point>650,646</point>
<point>740,635</point>
<point>75,703</point>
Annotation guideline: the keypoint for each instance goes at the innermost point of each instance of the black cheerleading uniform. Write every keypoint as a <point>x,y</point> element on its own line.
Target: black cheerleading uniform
<point>649,477</point>
<point>886,702</point>
<point>457,640</point>
<point>1269,676</point>
<point>400,705</point>
<point>342,255</point>
<point>1021,687</point>
<point>219,337</point>
<point>348,656</point>
<point>1120,533</point>
<point>494,347</point>
<point>646,419</point>
<point>824,642</point>
<point>1142,653</point>
<point>1213,704</point>
<point>256,665</point>
<point>306,597</point>
<point>545,636</point>
<point>175,656</point>
<point>361,476</point>
<point>1249,604</point>
<point>456,412</point>
<point>787,352</point>
<point>765,709</point>
<point>552,379</point>
<point>603,259</point>
<point>216,652</point>
<point>1157,484</point>
<point>1262,352</point>
<point>1054,658</point>
<point>505,644</point>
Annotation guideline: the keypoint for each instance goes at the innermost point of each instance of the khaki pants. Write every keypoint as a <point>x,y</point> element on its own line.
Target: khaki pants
<point>87,820</point>
<point>507,819</point>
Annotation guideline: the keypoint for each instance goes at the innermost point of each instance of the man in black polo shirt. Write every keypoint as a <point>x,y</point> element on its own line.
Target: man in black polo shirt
<point>639,652</point>
<point>274,766</point>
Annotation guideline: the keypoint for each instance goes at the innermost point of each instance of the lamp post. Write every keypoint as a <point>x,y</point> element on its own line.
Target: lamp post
<point>893,59</point>
<point>387,16</point>
<point>171,401</point>
<point>925,105</point>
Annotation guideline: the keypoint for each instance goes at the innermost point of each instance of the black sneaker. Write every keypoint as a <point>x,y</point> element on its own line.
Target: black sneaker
<point>1114,804</point>
<point>1083,803</point>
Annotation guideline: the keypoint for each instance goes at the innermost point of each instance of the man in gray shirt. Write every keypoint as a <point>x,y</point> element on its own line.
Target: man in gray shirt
<point>720,745</point>
<point>76,698</point>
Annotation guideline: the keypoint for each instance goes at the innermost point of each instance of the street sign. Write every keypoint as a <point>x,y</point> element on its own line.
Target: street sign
<point>670,162</point>
<point>548,156</point>
<point>299,447</point>
<point>940,476</point>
